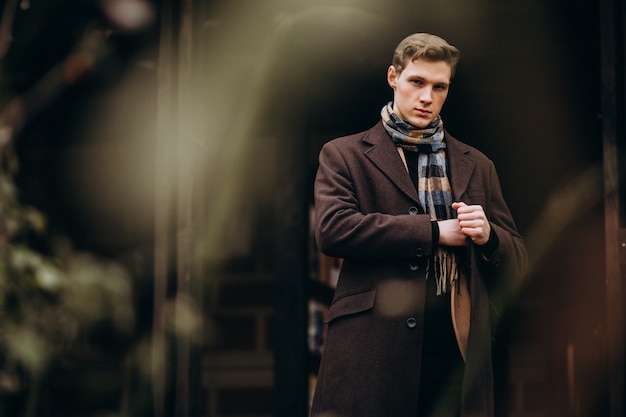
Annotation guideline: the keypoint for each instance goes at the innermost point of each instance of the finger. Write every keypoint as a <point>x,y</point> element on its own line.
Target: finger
<point>471,212</point>
<point>474,233</point>
<point>457,205</point>
<point>465,209</point>
<point>471,207</point>
<point>473,224</point>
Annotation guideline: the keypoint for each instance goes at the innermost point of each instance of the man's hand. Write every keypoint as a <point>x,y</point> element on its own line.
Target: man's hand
<point>473,222</point>
<point>450,233</point>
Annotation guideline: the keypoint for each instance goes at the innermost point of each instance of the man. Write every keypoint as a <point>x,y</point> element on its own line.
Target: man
<point>425,234</point>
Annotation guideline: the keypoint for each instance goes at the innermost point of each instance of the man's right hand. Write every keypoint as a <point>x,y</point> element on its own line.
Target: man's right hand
<point>450,233</point>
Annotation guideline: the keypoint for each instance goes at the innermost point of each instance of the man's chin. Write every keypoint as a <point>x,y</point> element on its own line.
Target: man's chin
<point>420,123</point>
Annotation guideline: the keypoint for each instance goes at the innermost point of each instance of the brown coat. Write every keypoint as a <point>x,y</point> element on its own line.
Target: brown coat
<point>368,213</point>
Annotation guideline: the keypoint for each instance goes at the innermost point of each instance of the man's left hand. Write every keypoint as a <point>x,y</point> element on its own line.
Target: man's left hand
<point>473,222</point>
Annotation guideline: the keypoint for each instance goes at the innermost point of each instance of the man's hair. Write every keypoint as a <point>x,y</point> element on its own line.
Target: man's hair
<point>425,46</point>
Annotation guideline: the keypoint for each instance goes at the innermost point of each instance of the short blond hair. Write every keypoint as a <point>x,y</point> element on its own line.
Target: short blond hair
<point>425,46</point>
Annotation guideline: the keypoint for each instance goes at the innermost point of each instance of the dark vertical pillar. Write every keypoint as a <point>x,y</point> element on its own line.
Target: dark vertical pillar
<point>290,348</point>
<point>163,205</point>
<point>613,116</point>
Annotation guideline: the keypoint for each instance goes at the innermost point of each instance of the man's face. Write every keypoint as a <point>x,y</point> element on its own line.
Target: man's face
<point>420,90</point>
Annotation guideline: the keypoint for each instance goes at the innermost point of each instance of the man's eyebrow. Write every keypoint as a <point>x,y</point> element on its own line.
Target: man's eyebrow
<point>420,77</point>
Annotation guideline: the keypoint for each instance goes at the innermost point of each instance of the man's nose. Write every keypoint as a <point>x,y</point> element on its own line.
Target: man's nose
<point>426,94</point>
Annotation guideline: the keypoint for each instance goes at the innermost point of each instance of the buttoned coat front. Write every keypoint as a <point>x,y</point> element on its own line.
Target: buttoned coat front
<point>368,213</point>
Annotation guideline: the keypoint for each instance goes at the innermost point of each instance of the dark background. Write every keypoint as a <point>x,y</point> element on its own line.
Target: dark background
<point>291,76</point>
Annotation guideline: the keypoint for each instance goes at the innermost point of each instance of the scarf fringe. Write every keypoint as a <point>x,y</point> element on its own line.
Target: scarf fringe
<point>445,269</point>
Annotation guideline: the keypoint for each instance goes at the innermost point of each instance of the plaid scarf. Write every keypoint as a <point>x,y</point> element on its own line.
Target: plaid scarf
<point>433,186</point>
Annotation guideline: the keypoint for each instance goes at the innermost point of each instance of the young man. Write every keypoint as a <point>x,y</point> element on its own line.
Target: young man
<point>425,234</point>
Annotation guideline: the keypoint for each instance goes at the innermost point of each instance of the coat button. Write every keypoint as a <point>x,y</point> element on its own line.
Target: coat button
<point>411,323</point>
<point>419,252</point>
<point>414,267</point>
<point>413,211</point>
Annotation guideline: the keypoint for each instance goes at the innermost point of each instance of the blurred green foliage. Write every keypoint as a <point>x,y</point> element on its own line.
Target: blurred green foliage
<point>51,296</point>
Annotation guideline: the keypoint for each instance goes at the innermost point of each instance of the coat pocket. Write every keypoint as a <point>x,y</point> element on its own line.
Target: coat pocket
<point>477,196</point>
<point>351,304</point>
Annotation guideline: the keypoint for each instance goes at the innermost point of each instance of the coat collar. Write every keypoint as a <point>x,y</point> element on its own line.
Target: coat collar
<point>461,163</point>
<point>383,153</point>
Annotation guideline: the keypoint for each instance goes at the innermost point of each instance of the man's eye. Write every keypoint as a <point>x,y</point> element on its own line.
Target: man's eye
<point>440,87</point>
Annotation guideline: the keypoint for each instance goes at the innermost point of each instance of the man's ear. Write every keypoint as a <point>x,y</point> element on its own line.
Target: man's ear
<point>392,76</point>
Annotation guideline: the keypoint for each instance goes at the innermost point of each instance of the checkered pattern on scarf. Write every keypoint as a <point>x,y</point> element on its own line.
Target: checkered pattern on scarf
<point>433,186</point>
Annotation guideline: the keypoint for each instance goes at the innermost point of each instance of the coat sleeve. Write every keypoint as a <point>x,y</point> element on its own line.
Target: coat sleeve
<point>347,228</point>
<point>510,256</point>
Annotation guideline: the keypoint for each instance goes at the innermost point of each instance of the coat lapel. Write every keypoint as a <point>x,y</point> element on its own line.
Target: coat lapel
<point>461,166</point>
<point>384,155</point>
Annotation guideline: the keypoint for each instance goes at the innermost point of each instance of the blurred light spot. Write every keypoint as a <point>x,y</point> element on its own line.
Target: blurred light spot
<point>184,316</point>
<point>129,14</point>
<point>28,348</point>
<point>48,277</point>
<point>76,66</point>
<point>397,297</point>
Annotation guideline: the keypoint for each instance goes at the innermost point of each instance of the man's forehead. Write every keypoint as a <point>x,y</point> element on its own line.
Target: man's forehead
<point>438,71</point>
